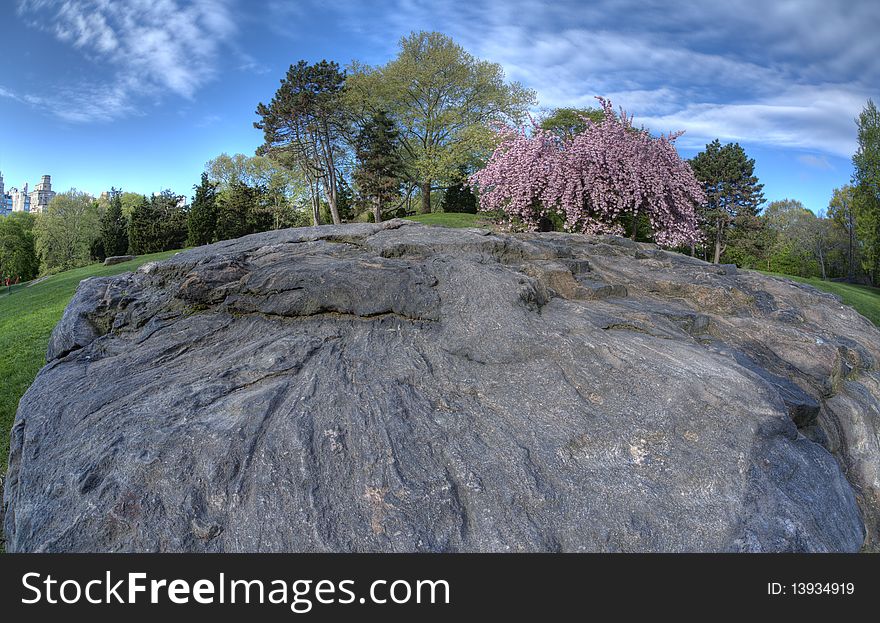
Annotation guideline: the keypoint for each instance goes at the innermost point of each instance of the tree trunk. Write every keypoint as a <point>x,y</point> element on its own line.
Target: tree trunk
<point>635,224</point>
<point>330,192</point>
<point>377,211</point>
<point>850,269</point>
<point>426,197</point>
<point>822,264</point>
<point>316,205</point>
<point>717,246</point>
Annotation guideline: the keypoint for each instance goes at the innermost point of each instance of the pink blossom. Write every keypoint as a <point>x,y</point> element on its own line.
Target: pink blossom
<point>596,181</point>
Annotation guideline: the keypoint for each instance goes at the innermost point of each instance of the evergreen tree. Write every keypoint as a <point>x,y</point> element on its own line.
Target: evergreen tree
<point>728,179</point>
<point>114,227</point>
<point>202,217</point>
<point>170,212</point>
<point>234,211</point>
<point>143,234</point>
<point>866,180</point>
<point>306,124</point>
<point>379,166</point>
<point>459,197</point>
<point>841,211</point>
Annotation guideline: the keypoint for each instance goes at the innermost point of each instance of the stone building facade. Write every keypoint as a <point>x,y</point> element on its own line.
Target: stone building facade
<point>41,195</point>
<point>16,200</point>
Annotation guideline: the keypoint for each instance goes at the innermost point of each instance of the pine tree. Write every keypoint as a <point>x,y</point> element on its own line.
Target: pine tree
<point>171,218</point>
<point>142,236</point>
<point>234,211</point>
<point>459,197</point>
<point>379,167</point>
<point>728,179</point>
<point>202,217</point>
<point>866,180</point>
<point>114,227</point>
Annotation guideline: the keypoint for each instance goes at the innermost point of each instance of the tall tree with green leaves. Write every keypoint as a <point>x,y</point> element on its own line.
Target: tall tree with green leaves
<point>841,211</point>
<point>114,226</point>
<point>306,124</point>
<point>18,253</point>
<point>444,102</point>
<point>749,240</point>
<point>143,228</point>
<point>201,220</point>
<point>866,180</point>
<point>234,211</point>
<point>566,123</point>
<point>64,233</point>
<point>379,166</point>
<point>158,223</point>
<point>283,191</point>
<point>728,178</point>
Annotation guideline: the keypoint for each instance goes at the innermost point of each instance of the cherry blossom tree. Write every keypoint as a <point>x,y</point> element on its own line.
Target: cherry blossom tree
<point>605,177</point>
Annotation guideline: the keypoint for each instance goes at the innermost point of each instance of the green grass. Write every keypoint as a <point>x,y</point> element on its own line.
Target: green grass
<point>27,317</point>
<point>451,219</point>
<point>864,299</point>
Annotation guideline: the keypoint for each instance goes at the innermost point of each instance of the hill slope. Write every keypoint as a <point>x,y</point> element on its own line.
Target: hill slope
<point>27,316</point>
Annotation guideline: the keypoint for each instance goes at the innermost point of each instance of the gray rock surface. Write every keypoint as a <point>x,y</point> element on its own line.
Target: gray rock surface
<point>118,259</point>
<point>396,387</point>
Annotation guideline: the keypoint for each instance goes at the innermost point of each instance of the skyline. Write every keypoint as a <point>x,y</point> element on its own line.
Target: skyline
<point>140,95</point>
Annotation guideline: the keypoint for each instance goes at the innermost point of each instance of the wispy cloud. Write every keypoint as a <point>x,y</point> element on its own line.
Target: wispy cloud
<point>146,46</point>
<point>787,74</point>
<point>816,162</point>
<point>208,120</point>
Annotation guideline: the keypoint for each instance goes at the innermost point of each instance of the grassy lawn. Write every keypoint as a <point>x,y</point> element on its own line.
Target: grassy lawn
<point>451,219</point>
<point>863,299</point>
<point>27,317</point>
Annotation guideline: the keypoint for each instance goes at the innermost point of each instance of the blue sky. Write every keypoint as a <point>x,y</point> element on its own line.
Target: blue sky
<point>139,94</point>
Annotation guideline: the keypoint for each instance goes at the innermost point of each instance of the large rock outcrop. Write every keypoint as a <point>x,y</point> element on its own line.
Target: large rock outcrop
<point>396,387</point>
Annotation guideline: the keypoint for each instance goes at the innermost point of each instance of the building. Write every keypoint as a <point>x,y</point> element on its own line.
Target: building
<point>21,201</point>
<point>16,200</point>
<point>5,200</point>
<point>41,195</point>
<point>4,207</point>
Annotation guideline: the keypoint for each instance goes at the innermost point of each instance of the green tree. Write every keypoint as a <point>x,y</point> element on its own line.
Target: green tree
<point>114,227</point>
<point>171,210</point>
<point>305,124</point>
<point>284,192</point>
<point>801,240</point>
<point>201,221</point>
<point>866,180</point>
<point>728,179</point>
<point>841,211</point>
<point>143,228</point>
<point>379,166</point>
<point>748,242</point>
<point>566,123</point>
<point>129,202</point>
<point>444,101</point>
<point>158,224</point>
<point>234,213</point>
<point>459,197</point>
<point>64,233</point>
<point>18,253</point>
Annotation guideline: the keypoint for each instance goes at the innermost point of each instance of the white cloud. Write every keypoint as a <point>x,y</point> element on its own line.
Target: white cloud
<point>816,162</point>
<point>788,74</point>
<point>147,47</point>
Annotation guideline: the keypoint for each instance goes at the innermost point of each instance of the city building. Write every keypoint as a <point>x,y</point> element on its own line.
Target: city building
<point>5,200</point>
<point>21,201</point>
<point>41,195</point>
<point>15,200</point>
